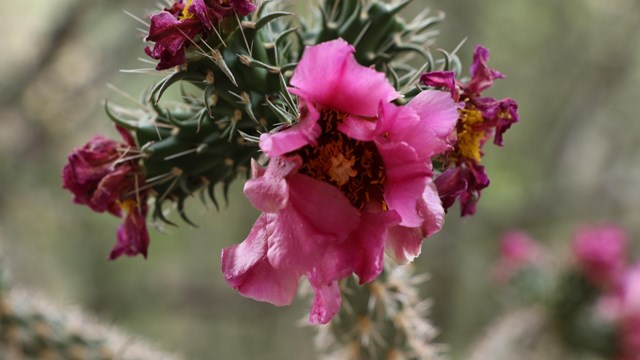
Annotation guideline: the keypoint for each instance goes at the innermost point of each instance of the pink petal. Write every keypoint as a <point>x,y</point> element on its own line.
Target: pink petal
<point>359,128</point>
<point>270,192</point>
<point>329,75</point>
<point>299,135</point>
<point>317,215</point>
<point>326,302</point>
<point>404,244</point>
<point>402,124</point>
<point>368,243</point>
<point>431,210</point>
<point>246,268</point>
<point>437,111</point>
<point>407,177</point>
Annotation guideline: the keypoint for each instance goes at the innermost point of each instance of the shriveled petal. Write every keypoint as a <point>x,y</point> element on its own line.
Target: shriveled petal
<point>442,79</point>
<point>326,302</point>
<point>243,7</point>
<point>404,244</point>
<point>246,268</point>
<point>200,10</point>
<point>437,111</point>
<point>317,215</point>
<point>406,179</point>
<point>498,113</point>
<point>133,237</point>
<point>301,134</point>
<point>270,192</point>
<point>329,75</point>
<point>170,36</point>
<point>482,75</point>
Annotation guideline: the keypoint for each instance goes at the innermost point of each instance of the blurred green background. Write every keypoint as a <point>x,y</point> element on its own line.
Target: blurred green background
<point>573,66</point>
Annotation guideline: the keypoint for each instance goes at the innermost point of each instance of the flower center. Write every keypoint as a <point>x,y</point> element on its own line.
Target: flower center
<point>354,167</point>
<point>470,136</point>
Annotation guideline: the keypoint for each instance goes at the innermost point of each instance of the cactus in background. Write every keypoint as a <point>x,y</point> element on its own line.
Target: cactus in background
<point>32,327</point>
<point>385,319</point>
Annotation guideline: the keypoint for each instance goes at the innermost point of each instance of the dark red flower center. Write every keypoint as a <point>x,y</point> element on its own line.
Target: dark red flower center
<point>354,167</point>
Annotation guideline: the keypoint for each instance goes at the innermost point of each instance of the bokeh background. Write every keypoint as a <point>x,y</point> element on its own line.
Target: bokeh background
<point>573,66</point>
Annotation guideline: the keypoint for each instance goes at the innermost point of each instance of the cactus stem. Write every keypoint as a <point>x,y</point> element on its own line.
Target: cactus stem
<point>216,57</point>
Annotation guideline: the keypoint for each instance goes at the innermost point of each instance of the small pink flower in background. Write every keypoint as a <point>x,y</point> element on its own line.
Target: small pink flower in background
<point>173,29</point>
<point>480,118</point>
<point>350,181</point>
<point>601,252</point>
<point>518,250</point>
<point>100,177</point>
<point>621,306</point>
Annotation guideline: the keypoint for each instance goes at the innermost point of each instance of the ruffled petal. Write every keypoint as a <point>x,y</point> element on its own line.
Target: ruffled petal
<point>246,268</point>
<point>406,179</point>
<point>431,210</point>
<point>317,215</point>
<point>437,111</point>
<point>301,134</point>
<point>368,243</point>
<point>402,124</point>
<point>326,302</point>
<point>404,244</point>
<point>329,75</point>
<point>270,191</point>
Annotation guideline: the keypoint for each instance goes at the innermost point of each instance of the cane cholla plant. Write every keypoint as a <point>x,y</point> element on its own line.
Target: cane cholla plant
<point>356,136</point>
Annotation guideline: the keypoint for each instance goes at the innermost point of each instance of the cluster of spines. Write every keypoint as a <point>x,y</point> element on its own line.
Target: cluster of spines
<point>381,38</point>
<point>209,138</point>
<point>383,320</point>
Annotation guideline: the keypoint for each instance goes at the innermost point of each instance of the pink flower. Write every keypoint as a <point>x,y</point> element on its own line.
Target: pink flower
<point>601,253</point>
<point>621,307</point>
<point>480,119</point>
<point>173,29</point>
<point>99,176</point>
<point>517,251</point>
<point>351,179</point>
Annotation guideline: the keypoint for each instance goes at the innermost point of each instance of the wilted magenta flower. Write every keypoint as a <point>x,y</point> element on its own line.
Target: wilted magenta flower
<point>351,179</point>
<point>480,119</point>
<point>601,253</point>
<point>517,251</point>
<point>99,176</point>
<point>173,29</point>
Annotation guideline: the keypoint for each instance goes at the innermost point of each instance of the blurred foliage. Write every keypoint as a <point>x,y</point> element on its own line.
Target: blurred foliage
<point>573,66</point>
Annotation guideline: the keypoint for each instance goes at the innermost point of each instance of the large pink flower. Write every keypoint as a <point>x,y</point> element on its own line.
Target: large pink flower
<point>351,179</point>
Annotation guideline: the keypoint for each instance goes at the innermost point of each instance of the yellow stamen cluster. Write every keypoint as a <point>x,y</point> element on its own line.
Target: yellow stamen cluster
<point>470,137</point>
<point>186,14</point>
<point>354,167</point>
